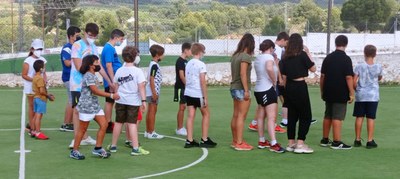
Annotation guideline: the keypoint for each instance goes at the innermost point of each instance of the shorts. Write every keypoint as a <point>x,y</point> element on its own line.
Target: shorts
<point>237,94</point>
<point>150,100</point>
<point>75,95</point>
<point>88,117</point>
<point>196,102</point>
<point>108,99</point>
<point>126,113</point>
<point>335,111</point>
<point>266,98</point>
<point>365,109</point>
<point>66,85</point>
<point>39,106</point>
<point>179,95</point>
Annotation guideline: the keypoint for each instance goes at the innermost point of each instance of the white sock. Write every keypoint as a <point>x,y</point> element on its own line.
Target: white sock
<point>261,139</point>
<point>254,122</point>
<point>273,142</point>
<point>284,121</point>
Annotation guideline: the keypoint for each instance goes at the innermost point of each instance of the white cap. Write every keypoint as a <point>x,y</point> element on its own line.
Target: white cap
<point>37,43</point>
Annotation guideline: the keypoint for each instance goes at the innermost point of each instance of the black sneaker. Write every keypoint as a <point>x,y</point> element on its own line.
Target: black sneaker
<point>283,124</point>
<point>28,127</point>
<point>69,127</point>
<point>371,144</point>
<point>190,144</point>
<point>357,143</point>
<point>313,121</point>
<point>208,143</point>
<point>62,128</point>
<point>325,142</point>
<point>340,145</point>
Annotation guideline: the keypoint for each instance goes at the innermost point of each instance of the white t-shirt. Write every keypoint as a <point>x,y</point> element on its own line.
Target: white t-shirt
<point>31,72</point>
<point>193,69</point>
<point>278,51</point>
<point>264,82</point>
<point>128,79</point>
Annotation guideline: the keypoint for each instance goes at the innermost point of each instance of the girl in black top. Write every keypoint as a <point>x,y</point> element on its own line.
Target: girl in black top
<point>294,68</point>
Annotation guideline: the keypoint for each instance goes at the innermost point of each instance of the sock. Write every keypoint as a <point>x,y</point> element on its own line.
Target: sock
<point>284,121</point>
<point>97,148</point>
<point>254,122</point>
<point>273,142</point>
<point>136,148</point>
<point>262,139</point>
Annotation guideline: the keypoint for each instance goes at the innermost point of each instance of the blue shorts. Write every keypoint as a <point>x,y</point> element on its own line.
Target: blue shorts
<point>365,109</point>
<point>39,106</point>
<point>238,94</point>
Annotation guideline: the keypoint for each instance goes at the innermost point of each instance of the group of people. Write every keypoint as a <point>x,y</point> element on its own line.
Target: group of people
<point>281,69</point>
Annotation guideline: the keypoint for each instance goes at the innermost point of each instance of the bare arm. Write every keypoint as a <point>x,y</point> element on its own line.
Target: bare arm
<point>284,80</point>
<point>203,85</point>
<point>142,92</point>
<point>243,77</point>
<point>110,71</point>
<point>24,74</point>
<point>77,63</point>
<point>182,76</point>
<point>349,80</point>
<point>96,91</point>
<point>67,63</point>
<point>270,70</point>
<point>321,84</point>
<point>355,79</point>
<point>153,89</point>
<point>106,78</point>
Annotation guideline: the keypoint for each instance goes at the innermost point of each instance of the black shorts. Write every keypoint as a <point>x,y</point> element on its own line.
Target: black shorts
<point>335,111</point>
<point>365,109</point>
<point>126,113</point>
<point>75,95</point>
<point>108,99</point>
<point>266,98</point>
<point>179,95</point>
<point>196,102</point>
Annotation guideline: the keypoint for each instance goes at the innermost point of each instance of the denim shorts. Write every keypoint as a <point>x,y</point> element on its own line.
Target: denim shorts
<point>39,106</point>
<point>238,94</point>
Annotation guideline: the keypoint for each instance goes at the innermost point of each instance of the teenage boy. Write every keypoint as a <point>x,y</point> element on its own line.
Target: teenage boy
<point>196,96</point>
<point>111,63</point>
<point>73,35</point>
<point>80,49</point>
<point>180,87</point>
<point>337,90</point>
<point>153,88</point>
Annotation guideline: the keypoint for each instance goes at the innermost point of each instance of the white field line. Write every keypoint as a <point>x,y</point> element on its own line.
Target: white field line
<point>22,141</point>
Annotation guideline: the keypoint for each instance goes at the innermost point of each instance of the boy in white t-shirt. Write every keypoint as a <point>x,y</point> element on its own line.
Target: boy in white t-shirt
<point>130,85</point>
<point>196,97</point>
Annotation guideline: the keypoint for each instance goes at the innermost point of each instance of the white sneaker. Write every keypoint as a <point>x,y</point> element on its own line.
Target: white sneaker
<point>291,148</point>
<point>71,146</point>
<point>182,131</point>
<point>88,141</point>
<point>300,149</point>
<point>145,134</point>
<point>154,135</point>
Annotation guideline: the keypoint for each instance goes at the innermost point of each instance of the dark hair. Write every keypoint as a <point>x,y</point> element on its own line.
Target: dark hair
<point>129,54</point>
<point>156,50</point>
<point>30,51</point>
<point>341,41</point>
<point>86,62</point>
<point>117,33</point>
<point>72,30</point>
<point>282,35</point>
<point>266,44</point>
<point>186,46</point>
<point>92,28</point>
<point>197,48</point>
<point>295,46</point>
<point>370,51</point>
<point>37,65</point>
<point>247,42</point>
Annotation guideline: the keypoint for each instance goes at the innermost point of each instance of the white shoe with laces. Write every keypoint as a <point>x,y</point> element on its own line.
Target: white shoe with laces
<point>303,149</point>
<point>88,141</point>
<point>154,135</point>
<point>182,131</point>
<point>291,148</point>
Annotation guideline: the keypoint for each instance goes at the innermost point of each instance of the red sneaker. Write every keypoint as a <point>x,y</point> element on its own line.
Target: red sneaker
<point>277,148</point>
<point>243,146</point>
<point>279,129</point>
<point>253,127</point>
<point>263,145</point>
<point>41,136</point>
<point>233,144</point>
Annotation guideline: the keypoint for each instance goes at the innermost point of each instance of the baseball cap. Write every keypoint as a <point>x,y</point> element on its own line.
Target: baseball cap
<point>37,44</point>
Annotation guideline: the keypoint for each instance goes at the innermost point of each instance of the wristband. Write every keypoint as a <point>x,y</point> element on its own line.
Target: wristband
<point>111,96</point>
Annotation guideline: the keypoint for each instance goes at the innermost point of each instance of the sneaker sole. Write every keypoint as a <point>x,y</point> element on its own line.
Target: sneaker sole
<point>289,150</point>
<point>101,156</point>
<point>138,154</point>
<point>252,129</point>
<point>207,146</point>
<point>277,151</point>
<point>371,147</point>
<point>76,158</point>
<point>340,148</point>
<point>263,147</point>
<point>243,149</point>
<point>303,152</point>
<point>324,145</point>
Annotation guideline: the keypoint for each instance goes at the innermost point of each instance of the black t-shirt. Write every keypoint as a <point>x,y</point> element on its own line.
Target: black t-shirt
<point>179,65</point>
<point>336,67</point>
<point>296,66</point>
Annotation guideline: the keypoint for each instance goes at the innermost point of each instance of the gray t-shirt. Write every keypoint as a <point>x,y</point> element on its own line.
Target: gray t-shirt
<point>88,103</point>
<point>367,84</point>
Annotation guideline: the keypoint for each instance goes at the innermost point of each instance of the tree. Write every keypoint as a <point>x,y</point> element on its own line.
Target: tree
<point>275,25</point>
<point>365,14</point>
<point>307,12</point>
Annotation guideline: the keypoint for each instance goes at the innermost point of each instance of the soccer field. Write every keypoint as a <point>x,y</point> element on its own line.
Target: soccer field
<point>50,159</point>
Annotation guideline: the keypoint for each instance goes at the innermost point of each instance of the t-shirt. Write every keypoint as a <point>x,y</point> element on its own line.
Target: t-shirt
<point>367,85</point>
<point>193,69</point>
<point>65,55</point>
<point>279,51</point>
<point>109,55</point>
<point>154,71</point>
<point>79,50</point>
<point>264,81</point>
<point>296,66</point>
<point>180,65</point>
<point>88,103</point>
<point>236,61</point>
<point>37,83</point>
<point>128,79</point>
<point>336,66</point>
<point>31,72</point>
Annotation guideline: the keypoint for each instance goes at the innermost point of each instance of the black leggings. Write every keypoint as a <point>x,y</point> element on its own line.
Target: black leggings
<point>299,109</point>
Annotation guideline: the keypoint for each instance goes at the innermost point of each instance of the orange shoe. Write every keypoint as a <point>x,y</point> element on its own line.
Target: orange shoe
<point>279,129</point>
<point>41,136</point>
<point>243,146</point>
<point>233,144</point>
<point>263,145</point>
<point>253,127</point>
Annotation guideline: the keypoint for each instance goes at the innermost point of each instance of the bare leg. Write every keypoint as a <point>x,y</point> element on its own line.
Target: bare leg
<point>233,121</point>
<point>68,114</point>
<point>260,116</point>
<point>133,134</point>
<point>337,129</point>
<point>205,122</point>
<point>80,131</point>
<point>242,114</point>
<point>30,111</point>
<point>358,127</point>
<point>108,109</point>
<point>151,117</point>
<point>271,115</point>
<point>101,120</point>
<point>180,115</point>
<point>116,132</point>
<point>370,129</point>
<point>326,127</point>
<point>190,122</point>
